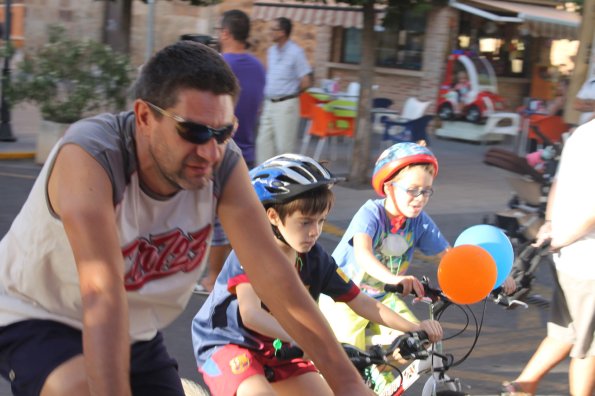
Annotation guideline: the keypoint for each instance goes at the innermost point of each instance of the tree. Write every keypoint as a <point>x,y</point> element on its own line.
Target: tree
<point>118,18</point>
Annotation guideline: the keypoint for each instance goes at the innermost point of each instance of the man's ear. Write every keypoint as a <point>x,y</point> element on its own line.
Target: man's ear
<point>273,216</point>
<point>141,112</point>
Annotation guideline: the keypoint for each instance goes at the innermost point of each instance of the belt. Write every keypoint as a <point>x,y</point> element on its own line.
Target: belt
<point>282,98</point>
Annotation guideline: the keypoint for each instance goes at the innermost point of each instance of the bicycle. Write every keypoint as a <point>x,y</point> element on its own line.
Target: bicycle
<point>191,388</point>
<point>428,359</point>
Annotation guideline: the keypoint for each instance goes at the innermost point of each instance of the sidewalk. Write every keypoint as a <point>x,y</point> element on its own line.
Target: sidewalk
<point>24,123</point>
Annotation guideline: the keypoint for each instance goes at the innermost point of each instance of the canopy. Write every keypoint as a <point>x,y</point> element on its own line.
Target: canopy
<point>329,14</point>
<point>540,21</point>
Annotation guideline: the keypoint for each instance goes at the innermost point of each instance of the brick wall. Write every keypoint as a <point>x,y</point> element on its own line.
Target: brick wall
<point>82,18</point>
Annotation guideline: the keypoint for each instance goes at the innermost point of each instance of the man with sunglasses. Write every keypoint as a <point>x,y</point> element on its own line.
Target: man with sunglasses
<point>115,233</point>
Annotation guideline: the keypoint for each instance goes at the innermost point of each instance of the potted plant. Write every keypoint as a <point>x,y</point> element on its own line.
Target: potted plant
<point>67,79</point>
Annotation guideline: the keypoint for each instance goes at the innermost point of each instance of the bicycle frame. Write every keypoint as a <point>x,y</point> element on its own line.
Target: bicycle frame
<point>433,365</point>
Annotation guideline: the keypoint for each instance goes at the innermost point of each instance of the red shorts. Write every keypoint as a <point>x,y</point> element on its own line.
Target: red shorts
<point>231,364</point>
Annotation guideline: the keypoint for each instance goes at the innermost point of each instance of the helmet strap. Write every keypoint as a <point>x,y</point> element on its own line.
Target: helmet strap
<point>278,234</point>
<point>397,221</point>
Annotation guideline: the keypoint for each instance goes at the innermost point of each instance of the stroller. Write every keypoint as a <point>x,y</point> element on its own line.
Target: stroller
<point>525,212</point>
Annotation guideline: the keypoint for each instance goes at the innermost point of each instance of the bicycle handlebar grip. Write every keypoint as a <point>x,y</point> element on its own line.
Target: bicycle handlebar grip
<point>410,344</point>
<point>289,352</point>
<point>394,288</point>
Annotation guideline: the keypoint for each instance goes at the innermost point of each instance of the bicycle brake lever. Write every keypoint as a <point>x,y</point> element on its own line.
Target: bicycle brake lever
<point>517,304</point>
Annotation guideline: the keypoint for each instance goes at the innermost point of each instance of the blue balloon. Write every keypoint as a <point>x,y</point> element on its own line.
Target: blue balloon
<point>495,241</point>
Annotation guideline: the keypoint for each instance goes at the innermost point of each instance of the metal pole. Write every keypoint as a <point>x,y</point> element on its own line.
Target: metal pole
<point>5,128</point>
<point>150,30</point>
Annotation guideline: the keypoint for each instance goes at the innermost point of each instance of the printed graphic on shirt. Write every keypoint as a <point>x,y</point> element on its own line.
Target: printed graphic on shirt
<point>163,255</point>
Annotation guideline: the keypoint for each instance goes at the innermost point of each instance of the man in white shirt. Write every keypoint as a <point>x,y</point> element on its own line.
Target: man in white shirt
<point>288,73</point>
<point>571,326</point>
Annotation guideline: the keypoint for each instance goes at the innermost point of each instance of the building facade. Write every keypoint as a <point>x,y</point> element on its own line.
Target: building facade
<point>410,54</point>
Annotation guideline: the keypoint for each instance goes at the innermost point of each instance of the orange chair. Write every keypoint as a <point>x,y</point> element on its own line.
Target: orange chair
<point>326,124</point>
<point>550,126</point>
<point>308,102</point>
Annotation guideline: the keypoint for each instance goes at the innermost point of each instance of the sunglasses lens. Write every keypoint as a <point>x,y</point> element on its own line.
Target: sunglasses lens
<point>200,134</point>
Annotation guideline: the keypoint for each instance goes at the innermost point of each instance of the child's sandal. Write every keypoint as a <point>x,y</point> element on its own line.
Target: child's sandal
<point>511,388</point>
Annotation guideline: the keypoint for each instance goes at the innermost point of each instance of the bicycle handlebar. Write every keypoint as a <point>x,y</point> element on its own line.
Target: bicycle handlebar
<point>436,295</point>
<point>411,345</point>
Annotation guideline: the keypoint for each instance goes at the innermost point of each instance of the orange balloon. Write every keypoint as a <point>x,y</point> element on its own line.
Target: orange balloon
<point>467,274</point>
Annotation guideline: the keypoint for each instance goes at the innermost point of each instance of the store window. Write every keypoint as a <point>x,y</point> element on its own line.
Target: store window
<point>399,46</point>
<point>503,44</point>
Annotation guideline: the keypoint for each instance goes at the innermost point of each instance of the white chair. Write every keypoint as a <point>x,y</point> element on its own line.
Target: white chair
<point>513,127</point>
<point>413,109</point>
<point>353,89</point>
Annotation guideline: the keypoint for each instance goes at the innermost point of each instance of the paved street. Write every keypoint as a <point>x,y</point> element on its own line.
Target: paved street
<point>466,191</point>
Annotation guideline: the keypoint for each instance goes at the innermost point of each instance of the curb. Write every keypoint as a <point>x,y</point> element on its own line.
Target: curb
<point>17,155</point>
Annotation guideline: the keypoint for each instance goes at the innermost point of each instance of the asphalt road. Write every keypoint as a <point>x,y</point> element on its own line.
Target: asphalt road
<point>507,338</point>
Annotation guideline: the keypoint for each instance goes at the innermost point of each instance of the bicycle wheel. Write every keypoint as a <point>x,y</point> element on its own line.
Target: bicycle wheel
<point>191,388</point>
<point>443,387</point>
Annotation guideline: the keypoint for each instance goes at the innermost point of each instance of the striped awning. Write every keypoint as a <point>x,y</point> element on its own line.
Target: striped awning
<point>329,14</point>
<point>540,21</point>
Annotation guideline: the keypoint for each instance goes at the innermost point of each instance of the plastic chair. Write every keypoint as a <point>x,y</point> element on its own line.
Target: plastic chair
<point>353,89</point>
<point>327,122</point>
<point>307,104</point>
<point>411,122</point>
<point>413,130</point>
<point>381,103</point>
<point>493,127</point>
<point>378,115</point>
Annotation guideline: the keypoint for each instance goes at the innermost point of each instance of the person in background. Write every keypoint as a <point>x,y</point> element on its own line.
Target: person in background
<point>115,234</point>
<point>233,35</point>
<point>570,229</point>
<point>462,87</point>
<point>585,101</point>
<point>288,74</point>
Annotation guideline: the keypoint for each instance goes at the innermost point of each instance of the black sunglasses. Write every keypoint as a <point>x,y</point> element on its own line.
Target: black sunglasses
<point>196,133</point>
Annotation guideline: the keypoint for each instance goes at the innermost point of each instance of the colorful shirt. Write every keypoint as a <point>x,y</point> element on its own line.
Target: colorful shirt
<point>251,75</point>
<point>164,240</point>
<point>218,321</point>
<point>371,219</point>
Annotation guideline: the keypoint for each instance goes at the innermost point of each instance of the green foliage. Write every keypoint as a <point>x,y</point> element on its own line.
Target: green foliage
<point>69,78</point>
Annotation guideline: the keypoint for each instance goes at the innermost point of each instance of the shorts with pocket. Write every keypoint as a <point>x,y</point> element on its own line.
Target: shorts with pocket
<point>231,364</point>
<point>572,314</point>
<point>30,350</point>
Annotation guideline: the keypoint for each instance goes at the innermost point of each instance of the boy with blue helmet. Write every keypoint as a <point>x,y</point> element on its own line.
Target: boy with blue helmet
<point>233,333</point>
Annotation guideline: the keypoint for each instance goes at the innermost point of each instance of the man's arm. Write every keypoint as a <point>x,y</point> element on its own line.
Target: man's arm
<point>277,283</point>
<point>584,105</point>
<point>80,192</point>
<point>306,82</point>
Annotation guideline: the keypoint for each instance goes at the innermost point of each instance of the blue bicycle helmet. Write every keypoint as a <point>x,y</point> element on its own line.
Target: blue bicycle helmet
<point>282,178</point>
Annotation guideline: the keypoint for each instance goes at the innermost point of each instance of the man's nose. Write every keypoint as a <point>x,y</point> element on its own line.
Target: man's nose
<point>209,150</point>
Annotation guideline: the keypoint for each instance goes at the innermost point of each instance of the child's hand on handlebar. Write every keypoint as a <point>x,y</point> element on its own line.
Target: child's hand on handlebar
<point>433,328</point>
<point>410,283</point>
<point>509,285</point>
